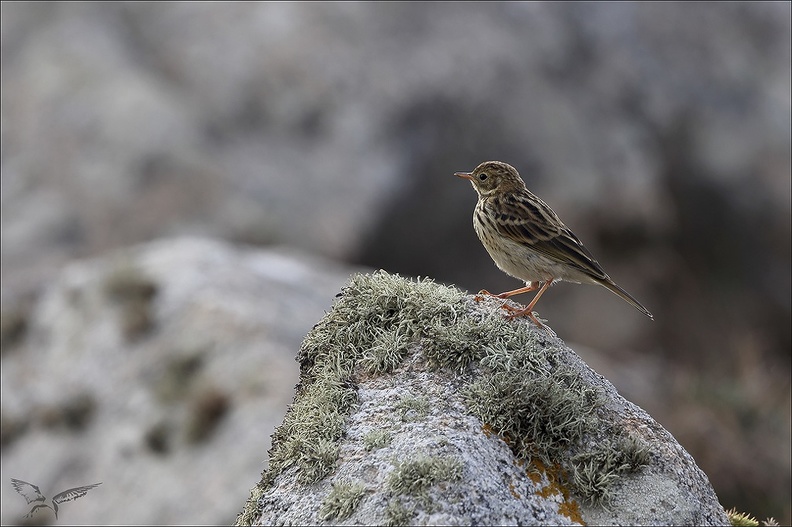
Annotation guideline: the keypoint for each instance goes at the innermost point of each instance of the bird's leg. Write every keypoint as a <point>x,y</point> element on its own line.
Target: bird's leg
<point>528,311</point>
<point>530,286</point>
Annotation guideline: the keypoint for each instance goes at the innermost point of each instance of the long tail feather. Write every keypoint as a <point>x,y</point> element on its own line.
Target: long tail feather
<point>627,297</point>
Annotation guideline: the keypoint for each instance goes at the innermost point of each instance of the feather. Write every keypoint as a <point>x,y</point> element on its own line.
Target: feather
<point>73,494</point>
<point>30,492</point>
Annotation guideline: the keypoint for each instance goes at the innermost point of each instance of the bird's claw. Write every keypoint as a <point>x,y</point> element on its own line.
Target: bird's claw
<point>513,312</point>
<point>519,313</point>
<point>481,295</point>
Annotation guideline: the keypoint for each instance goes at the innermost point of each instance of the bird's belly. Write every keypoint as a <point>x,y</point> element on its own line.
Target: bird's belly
<point>525,264</point>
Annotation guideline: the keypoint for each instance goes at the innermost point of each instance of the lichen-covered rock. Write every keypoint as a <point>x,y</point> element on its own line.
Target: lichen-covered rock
<point>418,405</point>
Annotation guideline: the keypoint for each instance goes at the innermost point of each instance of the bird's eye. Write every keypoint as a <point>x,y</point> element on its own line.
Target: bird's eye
<point>482,177</point>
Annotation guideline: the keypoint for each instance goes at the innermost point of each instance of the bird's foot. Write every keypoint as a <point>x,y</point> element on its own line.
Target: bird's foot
<point>484,293</point>
<point>481,295</point>
<point>525,312</point>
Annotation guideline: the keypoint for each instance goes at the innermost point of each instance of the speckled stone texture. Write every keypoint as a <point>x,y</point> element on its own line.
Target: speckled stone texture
<point>422,412</point>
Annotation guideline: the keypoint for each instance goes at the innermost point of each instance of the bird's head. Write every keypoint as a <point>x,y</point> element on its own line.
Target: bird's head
<point>494,177</point>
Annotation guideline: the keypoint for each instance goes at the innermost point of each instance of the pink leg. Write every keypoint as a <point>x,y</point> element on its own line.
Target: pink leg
<point>528,311</point>
<point>530,287</point>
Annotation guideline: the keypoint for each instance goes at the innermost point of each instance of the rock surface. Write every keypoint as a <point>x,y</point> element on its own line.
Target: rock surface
<point>160,371</point>
<point>660,132</point>
<point>417,405</point>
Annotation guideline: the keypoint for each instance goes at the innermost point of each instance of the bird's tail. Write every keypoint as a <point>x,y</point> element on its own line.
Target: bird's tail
<point>627,297</point>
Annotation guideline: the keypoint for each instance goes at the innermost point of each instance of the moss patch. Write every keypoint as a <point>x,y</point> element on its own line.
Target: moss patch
<point>397,513</point>
<point>387,351</point>
<point>594,471</point>
<point>374,320</point>
<point>416,476</point>
<point>513,379</point>
<point>342,500</point>
<point>377,439</point>
<point>741,519</point>
<point>543,409</point>
<point>413,408</point>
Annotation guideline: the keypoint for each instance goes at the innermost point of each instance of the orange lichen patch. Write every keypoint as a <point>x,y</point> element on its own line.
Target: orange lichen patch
<point>571,510</point>
<point>487,429</point>
<point>546,492</point>
<point>555,475</point>
<point>514,492</point>
<point>535,470</point>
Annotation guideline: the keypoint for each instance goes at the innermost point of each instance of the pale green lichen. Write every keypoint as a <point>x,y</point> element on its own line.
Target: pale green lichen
<point>309,435</point>
<point>386,352</point>
<point>397,514</point>
<point>594,471</point>
<point>741,519</point>
<point>376,439</point>
<point>341,501</point>
<point>252,509</point>
<point>416,476</point>
<point>413,408</point>
<point>513,379</point>
<point>540,416</point>
<point>370,326</point>
<point>373,322</point>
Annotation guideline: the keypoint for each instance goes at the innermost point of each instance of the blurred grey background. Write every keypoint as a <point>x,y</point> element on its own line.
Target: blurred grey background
<point>659,132</point>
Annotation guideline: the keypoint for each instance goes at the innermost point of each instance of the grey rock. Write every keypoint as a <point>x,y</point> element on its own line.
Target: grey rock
<point>488,422</point>
<point>659,132</point>
<point>161,371</point>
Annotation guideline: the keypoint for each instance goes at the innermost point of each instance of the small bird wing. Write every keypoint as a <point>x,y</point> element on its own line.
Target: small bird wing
<point>28,491</point>
<point>528,220</point>
<point>73,494</point>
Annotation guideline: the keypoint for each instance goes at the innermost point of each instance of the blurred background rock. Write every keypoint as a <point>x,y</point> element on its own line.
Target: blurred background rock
<point>659,132</point>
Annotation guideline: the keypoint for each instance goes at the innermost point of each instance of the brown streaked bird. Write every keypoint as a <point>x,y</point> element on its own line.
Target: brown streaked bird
<point>528,241</point>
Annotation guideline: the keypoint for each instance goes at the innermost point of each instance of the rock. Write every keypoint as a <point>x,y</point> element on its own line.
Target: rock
<point>659,132</point>
<point>417,405</point>
<point>161,371</point>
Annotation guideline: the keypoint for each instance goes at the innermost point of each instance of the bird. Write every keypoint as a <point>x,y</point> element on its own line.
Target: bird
<point>32,494</point>
<point>528,241</point>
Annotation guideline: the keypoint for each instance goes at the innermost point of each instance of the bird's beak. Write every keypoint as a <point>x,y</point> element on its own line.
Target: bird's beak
<point>465,175</point>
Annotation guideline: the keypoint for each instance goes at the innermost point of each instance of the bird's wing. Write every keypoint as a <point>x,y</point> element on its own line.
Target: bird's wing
<point>28,491</point>
<point>532,222</point>
<point>73,494</point>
